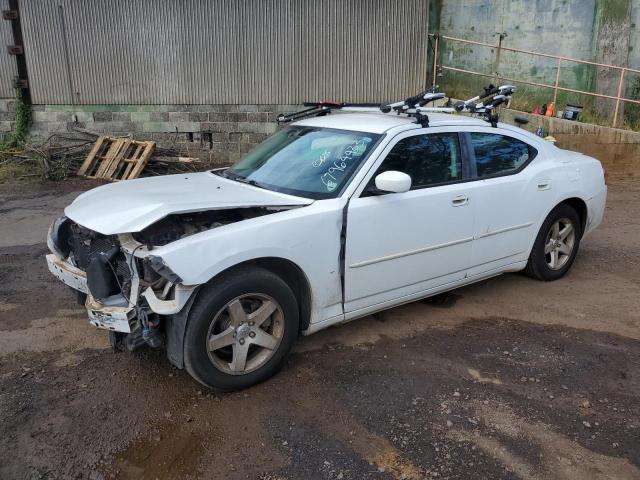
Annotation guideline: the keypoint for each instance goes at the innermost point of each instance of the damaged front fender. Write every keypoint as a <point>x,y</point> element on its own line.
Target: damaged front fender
<point>181,295</point>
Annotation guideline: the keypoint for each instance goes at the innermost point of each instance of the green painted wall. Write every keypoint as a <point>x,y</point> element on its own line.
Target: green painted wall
<point>605,31</point>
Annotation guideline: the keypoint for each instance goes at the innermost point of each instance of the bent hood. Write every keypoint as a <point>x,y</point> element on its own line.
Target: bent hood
<point>132,205</point>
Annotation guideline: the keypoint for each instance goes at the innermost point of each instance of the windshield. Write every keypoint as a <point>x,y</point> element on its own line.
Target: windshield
<point>305,161</point>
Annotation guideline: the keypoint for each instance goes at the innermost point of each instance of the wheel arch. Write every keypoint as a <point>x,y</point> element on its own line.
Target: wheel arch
<point>577,203</point>
<point>290,272</point>
<point>293,276</point>
<point>286,269</point>
<point>580,206</point>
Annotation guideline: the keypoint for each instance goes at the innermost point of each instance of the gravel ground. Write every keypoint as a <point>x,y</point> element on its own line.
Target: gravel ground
<point>509,378</point>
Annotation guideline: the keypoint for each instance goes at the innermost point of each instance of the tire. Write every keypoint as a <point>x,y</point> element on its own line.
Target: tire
<point>116,340</point>
<point>541,260</point>
<point>220,329</point>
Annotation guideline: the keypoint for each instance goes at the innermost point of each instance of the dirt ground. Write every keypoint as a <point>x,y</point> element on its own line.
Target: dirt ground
<point>509,378</point>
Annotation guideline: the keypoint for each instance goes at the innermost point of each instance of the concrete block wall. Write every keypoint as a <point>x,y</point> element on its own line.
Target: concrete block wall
<point>7,114</point>
<point>618,150</point>
<point>234,129</point>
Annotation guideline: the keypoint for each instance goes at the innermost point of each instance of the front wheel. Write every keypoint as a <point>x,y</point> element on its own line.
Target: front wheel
<point>241,329</point>
<point>556,245</point>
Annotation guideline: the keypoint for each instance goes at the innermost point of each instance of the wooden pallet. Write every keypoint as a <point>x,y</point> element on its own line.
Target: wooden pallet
<point>116,159</point>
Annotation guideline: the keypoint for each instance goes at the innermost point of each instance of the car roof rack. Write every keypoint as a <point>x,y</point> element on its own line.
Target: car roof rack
<point>487,102</point>
<point>319,109</point>
<point>484,104</point>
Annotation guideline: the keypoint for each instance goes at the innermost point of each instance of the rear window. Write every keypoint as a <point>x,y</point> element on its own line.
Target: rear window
<point>500,155</point>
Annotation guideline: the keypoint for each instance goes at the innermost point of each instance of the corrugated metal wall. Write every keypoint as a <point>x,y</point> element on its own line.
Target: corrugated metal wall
<point>8,68</point>
<point>224,51</point>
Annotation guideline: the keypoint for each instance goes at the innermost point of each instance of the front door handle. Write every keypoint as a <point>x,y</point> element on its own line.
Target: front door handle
<point>459,200</point>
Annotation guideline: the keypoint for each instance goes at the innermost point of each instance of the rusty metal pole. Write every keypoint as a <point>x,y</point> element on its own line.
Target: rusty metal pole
<point>555,89</point>
<point>436,37</point>
<point>620,86</point>
<point>497,64</point>
<point>17,49</point>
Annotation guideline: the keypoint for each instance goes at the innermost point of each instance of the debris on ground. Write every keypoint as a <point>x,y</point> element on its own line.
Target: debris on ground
<point>116,158</point>
<point>63,155</point>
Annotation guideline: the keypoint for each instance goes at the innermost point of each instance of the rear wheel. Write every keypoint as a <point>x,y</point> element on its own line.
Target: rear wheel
<point>241,329</point>
<point>556,245</point>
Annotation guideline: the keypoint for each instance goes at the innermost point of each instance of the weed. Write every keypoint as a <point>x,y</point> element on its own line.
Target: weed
<point>632,110</point>
<point>15,139</point>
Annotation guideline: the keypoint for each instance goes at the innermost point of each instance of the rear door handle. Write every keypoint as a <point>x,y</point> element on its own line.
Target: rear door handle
<point>544,185</point>
<point>459,200</point>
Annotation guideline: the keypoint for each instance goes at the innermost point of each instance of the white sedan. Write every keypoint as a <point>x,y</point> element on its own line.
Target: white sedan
<point>330,219</point>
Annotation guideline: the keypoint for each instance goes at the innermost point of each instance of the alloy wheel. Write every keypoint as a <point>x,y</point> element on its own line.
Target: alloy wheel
<point>560,243</point>
<point>245,333</point>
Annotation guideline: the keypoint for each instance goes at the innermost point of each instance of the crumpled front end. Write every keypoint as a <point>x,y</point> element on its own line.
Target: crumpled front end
<point>124,287</point>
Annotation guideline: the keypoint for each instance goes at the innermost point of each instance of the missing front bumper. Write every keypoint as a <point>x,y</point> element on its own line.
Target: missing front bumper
<point>116,318</point>
<point>67,273</point>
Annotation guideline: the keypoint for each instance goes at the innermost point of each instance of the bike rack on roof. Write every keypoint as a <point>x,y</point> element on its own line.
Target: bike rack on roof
<point>319,109</point>
<point>485,104</point>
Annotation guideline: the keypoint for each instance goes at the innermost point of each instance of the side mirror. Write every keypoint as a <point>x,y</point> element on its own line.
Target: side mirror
<point>393,181</point>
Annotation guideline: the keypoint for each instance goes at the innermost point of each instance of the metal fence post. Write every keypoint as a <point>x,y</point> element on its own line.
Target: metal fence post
<point>620,86</point>
<point>436,37</point>
<point>555,89</point>
<point>498,51</point>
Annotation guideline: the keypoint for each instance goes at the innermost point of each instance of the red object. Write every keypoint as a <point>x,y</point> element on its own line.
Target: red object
<point>551,110</point>
<point>536,111</point>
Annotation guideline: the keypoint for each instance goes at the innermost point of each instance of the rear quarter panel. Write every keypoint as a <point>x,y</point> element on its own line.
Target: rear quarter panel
<point>594,188</point>
<point>571,175</point>
<point>581,177</point>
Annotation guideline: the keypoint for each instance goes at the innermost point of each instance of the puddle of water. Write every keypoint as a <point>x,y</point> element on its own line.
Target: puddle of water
<point>172,453</point>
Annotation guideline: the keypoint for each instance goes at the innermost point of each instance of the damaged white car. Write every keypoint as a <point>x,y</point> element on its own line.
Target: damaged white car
<point>330,219</point>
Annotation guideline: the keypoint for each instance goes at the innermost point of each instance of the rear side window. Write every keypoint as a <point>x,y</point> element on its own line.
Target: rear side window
<point>499,154</point>
<point>428,159</point>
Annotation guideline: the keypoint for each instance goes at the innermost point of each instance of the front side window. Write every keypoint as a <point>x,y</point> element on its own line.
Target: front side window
<point>429,160</point>
<point>306,161</point>
<point>499,154</point>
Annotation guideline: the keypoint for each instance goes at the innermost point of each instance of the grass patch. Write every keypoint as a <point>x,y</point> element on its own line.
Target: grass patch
<point>21,166</point>
<point>11,170</point>
<point>631,114</point>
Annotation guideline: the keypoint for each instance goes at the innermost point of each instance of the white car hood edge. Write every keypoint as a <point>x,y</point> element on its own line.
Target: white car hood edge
<point>132,205</point>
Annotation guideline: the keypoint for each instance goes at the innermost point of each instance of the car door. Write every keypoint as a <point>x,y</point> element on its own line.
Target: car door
<point>400,245</point>
<point>511,193</point>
